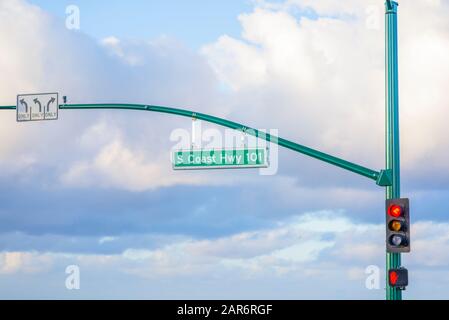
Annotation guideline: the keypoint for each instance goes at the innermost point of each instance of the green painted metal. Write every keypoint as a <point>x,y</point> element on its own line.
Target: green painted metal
<point>385,178</point>
<point>355,168</point>
<point>393,260</point>
<point>360,170</point>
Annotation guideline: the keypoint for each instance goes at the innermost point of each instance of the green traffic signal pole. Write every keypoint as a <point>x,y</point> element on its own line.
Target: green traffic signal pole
<point>389,178</point>
<point>393,260</point>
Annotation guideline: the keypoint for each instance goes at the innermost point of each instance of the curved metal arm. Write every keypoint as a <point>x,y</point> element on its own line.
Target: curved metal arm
<point>379,177</point>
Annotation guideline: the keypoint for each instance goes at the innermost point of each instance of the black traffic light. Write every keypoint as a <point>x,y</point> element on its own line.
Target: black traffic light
<point>398,278</point>
<point>398,225</point>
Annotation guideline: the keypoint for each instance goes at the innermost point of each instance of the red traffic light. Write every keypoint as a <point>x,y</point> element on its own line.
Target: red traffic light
<point>393,278</point>
<point>395,210</point>
<point>398,278</point>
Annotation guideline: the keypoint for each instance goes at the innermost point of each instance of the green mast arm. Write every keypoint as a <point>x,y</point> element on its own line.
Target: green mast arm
<point>381,178</point>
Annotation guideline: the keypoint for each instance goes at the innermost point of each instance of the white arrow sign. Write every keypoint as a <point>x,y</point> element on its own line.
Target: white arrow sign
<point>40,106</point>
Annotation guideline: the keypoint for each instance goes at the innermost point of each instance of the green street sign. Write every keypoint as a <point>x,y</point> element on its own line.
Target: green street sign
<point>220,159</point>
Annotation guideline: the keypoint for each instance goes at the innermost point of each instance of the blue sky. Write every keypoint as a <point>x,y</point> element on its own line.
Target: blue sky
<point>191,22</point>
<point>96,189</point>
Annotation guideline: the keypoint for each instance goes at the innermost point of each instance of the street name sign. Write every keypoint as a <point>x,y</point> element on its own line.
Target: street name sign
<point>35,107</point>
<point>220,159</point>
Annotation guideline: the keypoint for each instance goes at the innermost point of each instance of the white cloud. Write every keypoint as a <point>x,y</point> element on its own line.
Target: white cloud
<point>119,167</point>
<point>310,245</point>
<point>431,244</point>
<point>291,245</point>
<point>24,262</point>
<point>294,245</point>
<point>94,149</point>
<point>322,79</point>
<point>104,240</point>
<point>117,162</point>
<point>284,73</point>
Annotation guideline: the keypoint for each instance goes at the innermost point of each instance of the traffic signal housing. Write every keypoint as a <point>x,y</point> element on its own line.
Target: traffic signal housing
<point>398,225</point>
<point>398,278</point>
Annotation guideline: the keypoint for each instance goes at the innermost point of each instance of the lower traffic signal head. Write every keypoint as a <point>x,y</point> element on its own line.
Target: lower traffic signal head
<point>398,278</point>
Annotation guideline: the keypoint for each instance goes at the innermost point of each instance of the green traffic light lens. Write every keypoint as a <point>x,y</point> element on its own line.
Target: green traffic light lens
<point>397,240</point>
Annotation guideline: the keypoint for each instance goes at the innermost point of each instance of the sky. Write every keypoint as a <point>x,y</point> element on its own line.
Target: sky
<point>193,23</point>
<point>96,189</point>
